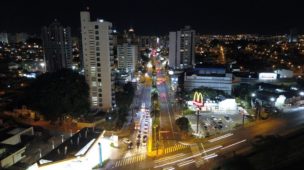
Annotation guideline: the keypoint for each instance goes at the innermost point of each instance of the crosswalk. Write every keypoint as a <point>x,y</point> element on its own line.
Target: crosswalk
<point>198,160</point>
<point>175,148</point>
<point>130,160</point>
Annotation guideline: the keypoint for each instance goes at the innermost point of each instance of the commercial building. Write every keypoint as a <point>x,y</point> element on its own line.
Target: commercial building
<point>98,61</point>
<point>57,45</point>
<point>214,77</point>
<point>127,55</point>
<point>182,48</point>
<point>13,142</point>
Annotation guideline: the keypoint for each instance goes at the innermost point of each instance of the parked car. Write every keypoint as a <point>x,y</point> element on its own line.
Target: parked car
<point>126,140</point>
<point>130,145</point>
<point>227,118</point>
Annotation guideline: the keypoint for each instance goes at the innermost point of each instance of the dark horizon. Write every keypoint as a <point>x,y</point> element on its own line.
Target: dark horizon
<point>158,17</point>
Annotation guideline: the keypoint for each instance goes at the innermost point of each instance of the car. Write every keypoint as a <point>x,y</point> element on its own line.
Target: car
<point>144,143</point>
<point>138,136</point>
<point>219,126</point>
<point>213,118</point>
<point>130,145</point>
<point>145,138</point>
<point>227,118</point>
<point>126,140</point>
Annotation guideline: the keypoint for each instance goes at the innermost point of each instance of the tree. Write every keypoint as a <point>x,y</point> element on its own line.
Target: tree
<point>55,95</point>
<point>183,123</point>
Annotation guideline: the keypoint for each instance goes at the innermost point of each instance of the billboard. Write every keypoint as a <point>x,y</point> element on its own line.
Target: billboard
<point>268,76</point>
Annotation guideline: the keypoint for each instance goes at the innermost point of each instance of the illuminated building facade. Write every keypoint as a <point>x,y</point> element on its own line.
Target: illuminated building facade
<point>127,56</point>
<point>211,77</point>
<point>98,61</point>
<point>182,48</point>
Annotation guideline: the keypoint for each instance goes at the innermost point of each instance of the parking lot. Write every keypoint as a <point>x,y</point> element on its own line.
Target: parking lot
<point>211,123</point>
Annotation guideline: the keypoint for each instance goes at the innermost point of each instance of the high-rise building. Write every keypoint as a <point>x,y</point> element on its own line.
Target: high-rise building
<point>182,48</point>
<point>98,61</point>
<point>127,56</point>
<point>3,37</point>
<point>293,36</point>
<point>57,45</point>
<point>22,37</point>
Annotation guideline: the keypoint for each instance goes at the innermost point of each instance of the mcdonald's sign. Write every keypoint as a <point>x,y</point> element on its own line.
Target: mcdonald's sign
<point>198,99</point>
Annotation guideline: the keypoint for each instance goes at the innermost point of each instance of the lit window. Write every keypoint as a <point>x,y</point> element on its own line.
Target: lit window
<point>94,84</point>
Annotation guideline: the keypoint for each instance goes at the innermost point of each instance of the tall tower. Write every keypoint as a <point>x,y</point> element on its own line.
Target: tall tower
<point>98,61</point>
<point>57,45</point>
<point>182,48</point>
<point>127,56</point>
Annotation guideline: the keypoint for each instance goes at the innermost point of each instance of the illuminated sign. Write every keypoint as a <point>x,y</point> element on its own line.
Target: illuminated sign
<point>268,76</point>
<point>198,99</point>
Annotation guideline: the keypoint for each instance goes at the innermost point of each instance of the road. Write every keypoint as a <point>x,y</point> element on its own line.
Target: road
<point>168,130</point>
<point>236,141</point>
<point>218,147</point>
<point>204,153</point>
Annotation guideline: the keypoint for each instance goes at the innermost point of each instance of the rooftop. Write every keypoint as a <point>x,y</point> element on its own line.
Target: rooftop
<point>76,145</point>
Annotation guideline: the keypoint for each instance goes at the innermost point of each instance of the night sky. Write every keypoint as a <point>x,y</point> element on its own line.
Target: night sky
<point>159,16</point>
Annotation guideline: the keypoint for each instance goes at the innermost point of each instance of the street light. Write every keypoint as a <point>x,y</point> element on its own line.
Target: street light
<point>272,99</point>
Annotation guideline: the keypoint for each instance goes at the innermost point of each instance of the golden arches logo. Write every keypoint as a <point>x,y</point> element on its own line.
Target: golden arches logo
<point>198,99</point>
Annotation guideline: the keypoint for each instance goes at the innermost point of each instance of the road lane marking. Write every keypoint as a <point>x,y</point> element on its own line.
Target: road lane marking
<point>129,160</point>
<point>176,147</point>
<point>185,163</point>
<point>169,157</point>
<point>220,137</point>
<point>213,155</point>
<point>234,144</point>
<point>211,149</point>
<point>183,159</point>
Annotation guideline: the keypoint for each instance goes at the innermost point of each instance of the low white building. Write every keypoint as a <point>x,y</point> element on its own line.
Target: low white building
<point>84,151</point>
<point>284,73</point>
<point>227,106</point>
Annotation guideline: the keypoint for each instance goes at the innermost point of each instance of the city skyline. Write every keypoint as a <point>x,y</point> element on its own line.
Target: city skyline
<point>256,17</point>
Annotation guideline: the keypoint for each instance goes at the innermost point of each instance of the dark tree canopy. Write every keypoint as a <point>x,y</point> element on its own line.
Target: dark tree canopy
<point>57,94</point>
<point>183,123</point>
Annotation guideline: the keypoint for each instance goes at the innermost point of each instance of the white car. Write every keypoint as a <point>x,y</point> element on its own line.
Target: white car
<point>126,140</point>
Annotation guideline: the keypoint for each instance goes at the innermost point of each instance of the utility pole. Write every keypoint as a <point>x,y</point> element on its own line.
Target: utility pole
<point>198,102</point>
<point>197,119</point>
